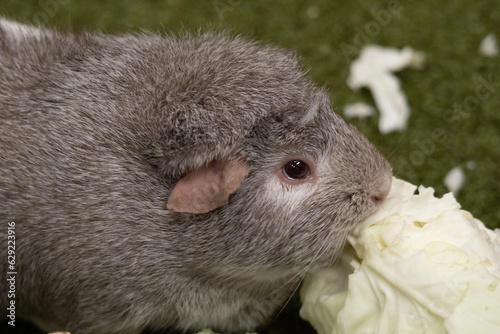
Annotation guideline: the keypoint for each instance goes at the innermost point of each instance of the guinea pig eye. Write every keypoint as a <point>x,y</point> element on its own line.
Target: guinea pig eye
<point>296,170</point>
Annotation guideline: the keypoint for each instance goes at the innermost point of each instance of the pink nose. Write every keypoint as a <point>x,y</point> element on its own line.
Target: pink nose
<point>378,199</point>
<point>381,193</point>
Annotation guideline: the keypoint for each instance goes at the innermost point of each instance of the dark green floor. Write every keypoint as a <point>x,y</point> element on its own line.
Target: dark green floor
<point>457,94</point>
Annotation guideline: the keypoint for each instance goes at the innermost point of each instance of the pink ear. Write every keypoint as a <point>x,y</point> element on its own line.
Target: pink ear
<point>207,187</point>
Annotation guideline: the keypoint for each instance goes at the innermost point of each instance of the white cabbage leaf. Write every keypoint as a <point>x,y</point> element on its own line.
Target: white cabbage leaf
<point>420,264</point>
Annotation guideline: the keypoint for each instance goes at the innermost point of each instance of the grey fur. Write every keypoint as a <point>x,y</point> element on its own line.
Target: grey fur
<point>95,131</point>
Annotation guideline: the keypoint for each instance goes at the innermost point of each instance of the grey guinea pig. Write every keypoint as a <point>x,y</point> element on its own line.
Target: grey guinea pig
<point>156,182</point>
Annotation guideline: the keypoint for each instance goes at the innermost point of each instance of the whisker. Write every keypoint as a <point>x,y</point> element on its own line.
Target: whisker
<point>298,283</point>
<point>397,147</point>
<point>298,277</point>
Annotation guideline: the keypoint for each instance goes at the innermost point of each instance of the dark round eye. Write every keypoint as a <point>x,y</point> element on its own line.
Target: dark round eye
<point>296,170</point>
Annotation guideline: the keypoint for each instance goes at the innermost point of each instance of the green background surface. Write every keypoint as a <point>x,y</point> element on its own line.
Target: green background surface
<point>456,94</point>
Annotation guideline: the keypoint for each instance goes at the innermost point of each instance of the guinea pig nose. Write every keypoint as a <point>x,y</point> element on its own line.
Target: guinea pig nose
<point>381,193</point>
<point>378,199</point>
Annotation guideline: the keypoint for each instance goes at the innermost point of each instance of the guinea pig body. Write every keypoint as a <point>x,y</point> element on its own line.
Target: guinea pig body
<point>157,181</point>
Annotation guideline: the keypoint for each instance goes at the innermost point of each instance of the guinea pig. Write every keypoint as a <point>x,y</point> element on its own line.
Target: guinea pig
<point>159,181</point>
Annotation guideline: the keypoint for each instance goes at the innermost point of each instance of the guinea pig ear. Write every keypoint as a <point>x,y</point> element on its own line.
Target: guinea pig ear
<point>207,187</point>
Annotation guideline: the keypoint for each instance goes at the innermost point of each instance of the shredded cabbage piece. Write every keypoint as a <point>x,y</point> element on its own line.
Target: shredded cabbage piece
<point>374,69</point>
<point>420,264</point>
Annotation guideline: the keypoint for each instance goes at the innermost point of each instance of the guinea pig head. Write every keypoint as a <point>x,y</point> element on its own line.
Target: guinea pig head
<point>286,201</point>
